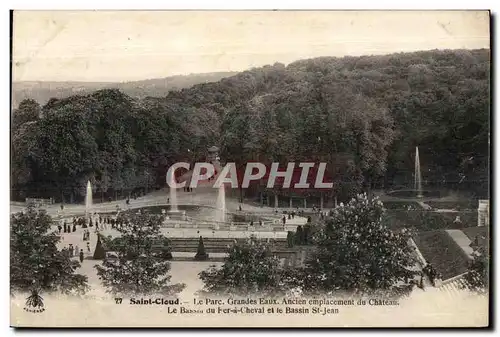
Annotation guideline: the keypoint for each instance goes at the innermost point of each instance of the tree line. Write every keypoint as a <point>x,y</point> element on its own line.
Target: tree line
<point>362,115</point>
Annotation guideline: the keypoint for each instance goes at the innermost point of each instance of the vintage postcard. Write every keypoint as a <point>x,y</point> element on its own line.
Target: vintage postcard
<point>250,169</point>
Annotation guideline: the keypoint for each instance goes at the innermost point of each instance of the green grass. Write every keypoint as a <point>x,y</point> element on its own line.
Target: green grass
<point>458,205</point>
<point>402,205</point>
<point>422,220</point>
<point>439,249</point>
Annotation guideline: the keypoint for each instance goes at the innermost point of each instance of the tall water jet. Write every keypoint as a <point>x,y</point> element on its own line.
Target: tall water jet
<point>88,199</point>
<point>418,175</point>
<point>221,205</point>
<point>173,193</point>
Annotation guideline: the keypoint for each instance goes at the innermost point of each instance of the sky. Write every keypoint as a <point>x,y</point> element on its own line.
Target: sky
<point>122,46</point>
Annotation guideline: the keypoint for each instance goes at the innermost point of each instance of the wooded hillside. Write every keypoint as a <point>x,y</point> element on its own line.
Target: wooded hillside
<point>362,115</point>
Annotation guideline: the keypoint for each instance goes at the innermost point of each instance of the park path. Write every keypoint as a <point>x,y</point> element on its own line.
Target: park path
<point>461,240</point>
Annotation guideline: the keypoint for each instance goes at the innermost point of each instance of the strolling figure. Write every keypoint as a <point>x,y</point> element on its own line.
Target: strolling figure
<point>81,255</point>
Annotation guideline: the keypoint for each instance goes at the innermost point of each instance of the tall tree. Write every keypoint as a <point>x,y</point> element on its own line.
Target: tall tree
<point>35,262</point>
<point>357,253</point>
<point>141,267</point>
<point>363,116</point>
<point>28,111</point>
<point>250,268</point>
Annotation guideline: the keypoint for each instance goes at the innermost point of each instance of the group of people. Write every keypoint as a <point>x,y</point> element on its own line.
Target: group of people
<point>86,235</point>
<point>260,223</point>
<point>67,228</point>
<point>71,251</point>
<point>432,274</point>
<point>100,223</point>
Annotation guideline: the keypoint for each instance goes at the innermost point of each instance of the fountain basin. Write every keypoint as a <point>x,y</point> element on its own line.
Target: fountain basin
<point>203,213</point>
<point>414,194</point>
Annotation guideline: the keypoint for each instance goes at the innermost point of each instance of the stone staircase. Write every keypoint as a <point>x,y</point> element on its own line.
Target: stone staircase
<point>218,245</point>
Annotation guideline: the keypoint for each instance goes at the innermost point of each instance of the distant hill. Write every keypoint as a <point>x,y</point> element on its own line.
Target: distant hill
<point>42,91</point>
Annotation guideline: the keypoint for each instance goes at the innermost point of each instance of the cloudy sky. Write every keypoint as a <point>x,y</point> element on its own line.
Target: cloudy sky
<point>135,45</point>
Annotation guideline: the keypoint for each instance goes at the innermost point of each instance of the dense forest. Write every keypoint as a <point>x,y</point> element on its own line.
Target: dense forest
<point>362,115</point>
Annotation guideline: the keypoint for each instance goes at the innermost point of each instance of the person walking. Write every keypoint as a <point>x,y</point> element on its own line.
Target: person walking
<point>59,228</point>
<point>81,255</point>
<point>88,247</point>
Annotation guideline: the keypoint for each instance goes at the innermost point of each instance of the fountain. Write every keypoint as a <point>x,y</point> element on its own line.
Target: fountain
<point>174,212</point>
<point>173,195</point>
<point>418,175</point>
<point>221,205</point>
<point>88,199</point>
<point>417,192</point>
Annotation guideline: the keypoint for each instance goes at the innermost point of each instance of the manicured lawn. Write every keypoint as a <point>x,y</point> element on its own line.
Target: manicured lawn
<point>422,220</point>
<point>401,205</point>
<point>439,249</point>
<point>458,205</point>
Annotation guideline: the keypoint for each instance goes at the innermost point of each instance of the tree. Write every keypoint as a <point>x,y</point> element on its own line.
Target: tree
<point>363,116</point>
<point>357,253</point>
<point>290,239</point>
<point>250,268</point>
<point>140,267</point>
<point>35,262</point>
<point>29,111</point>
<point>99,252</point>
<point>299,235</point>
<point>306,233</point>
<point>201,255</point>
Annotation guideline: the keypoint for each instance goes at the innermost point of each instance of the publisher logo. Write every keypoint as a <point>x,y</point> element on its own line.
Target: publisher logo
<point>34,302</point>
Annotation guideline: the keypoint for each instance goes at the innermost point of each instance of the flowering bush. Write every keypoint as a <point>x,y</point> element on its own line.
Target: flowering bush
<point>356,252</point>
